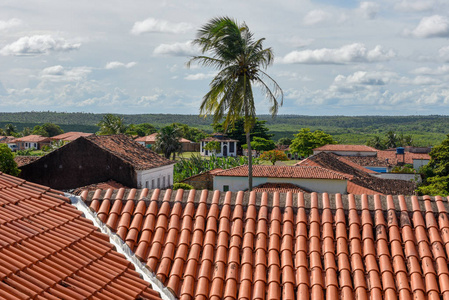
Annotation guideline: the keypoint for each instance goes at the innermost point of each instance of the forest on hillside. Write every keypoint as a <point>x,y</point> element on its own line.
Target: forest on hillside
<point>426,130</point>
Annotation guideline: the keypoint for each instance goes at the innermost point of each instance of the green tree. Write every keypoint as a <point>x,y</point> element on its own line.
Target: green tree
<point>167,141</point>
<point>440,158</point>
<point>305,141</point>
<point>7,163</point>
<point>10,129</point>
<point>376,142</point>
<point>285,141</point>
<point>142,129</point>
<point>240,61</point>
<point>392,139</point>
<point>237,131</point>
<point>273,156</point>
<point>111,124</point>
<point>261,144</point>
<point>26,131</point>
<point>47,129</point>
<point>213,146</point>
<point>191,133</point>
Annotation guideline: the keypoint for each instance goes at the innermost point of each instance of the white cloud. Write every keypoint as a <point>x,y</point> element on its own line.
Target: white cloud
<point>5,25</point>
<point>117,64</point>
<point>433,26</point>
<point>60,74</point>
<point>429,71</point>
<point>38,44</point>
<point>176,49</point>
<point>356,52</point>
<point>316,16</point>
<point>361,80</point>
<point>200,76</point>
<point>414,5</point>
<point>156,25</point>
<point>369,9</point>
<point>444,53</point>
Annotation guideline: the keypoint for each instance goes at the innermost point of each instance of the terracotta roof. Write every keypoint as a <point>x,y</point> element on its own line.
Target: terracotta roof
<point>285,172</point>
<point>212,245</point>
<point>370,161</point>
<point>70,136</point>
<point>152,138</point>
<point>110,184</point>
<point>125,148</point>
<point>344,159</point>
<point>356,189</point>
<point>270,187</point>
<point>338,147</point>
<point>48,250</point>
<point>408,156</point>
<point>24,160</point>
<point>32,139</point>
<point>6,139</point>
<point>360,176</point>
<point>218,137</point>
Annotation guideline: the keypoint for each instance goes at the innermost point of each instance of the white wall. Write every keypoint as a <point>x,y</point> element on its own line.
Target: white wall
<point>418,163</point>
<point>149,178</point>
<point>406,177</point>
<point>209,153</point>
<point>316,185</point>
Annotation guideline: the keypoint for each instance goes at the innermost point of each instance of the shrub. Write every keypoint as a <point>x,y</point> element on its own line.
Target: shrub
<point>183,186</point>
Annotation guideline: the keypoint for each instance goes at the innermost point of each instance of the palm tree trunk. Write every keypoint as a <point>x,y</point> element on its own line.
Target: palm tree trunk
<point>250,162</point>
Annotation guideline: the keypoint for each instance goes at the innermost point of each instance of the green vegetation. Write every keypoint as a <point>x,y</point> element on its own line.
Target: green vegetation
<point>260,144</point>
<point>305,141</point>
<point>391,140</point>
<point>167,141</point>
<point>197,164</point>
<point>240,61</point>
<point>273,156</point>
<point>111,124</point>
<point>181,185</point>
<point>7,163</point>
<point>213,146</point>
<point>436,173</point>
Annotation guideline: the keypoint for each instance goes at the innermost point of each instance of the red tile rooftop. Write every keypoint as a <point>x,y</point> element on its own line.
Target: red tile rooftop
<point>278,187</point>
<point>31,139</point>
<point>312,172</point>
<point>338,147</point>
<point>213,245</point>
<point>70,136</point>
<point>48,250</point>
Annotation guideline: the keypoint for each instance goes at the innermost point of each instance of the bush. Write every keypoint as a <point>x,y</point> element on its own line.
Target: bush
<point>183,186</point>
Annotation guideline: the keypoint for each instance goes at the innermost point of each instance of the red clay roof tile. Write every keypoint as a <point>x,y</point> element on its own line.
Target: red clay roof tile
<point>339,147</point>
<point>48,250</point>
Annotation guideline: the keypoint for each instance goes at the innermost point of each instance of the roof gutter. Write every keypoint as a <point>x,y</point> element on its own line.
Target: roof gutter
<point>122,248</point>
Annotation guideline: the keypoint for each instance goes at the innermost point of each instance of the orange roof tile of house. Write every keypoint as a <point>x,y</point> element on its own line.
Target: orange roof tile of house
<point>311,162</point>
<point>24,160</point>
<point>70,136</point>
<point>352,148</point>
<point>271,187</point>
<point>213,245</point>
<point>407,158</point>
<point>357,189</point>
<point>34,138</point>
<point>125,148</point>
<point>285,172</point>
<point>48,250</point>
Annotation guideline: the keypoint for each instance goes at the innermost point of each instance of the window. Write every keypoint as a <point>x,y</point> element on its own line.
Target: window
<point>146,184</point>
<point>168,180</point>
<point>231,147</point>
<point>158,183</point>
<point>152,183</point>
<point>163,181</point>
<point>225,188</point>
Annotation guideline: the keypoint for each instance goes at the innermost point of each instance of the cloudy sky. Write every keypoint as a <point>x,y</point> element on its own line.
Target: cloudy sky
<point>332,57</point>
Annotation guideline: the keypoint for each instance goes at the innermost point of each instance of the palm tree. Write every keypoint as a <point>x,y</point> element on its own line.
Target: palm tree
<point>167,141</point>
<point>111,124</point>
<point>240,60</point>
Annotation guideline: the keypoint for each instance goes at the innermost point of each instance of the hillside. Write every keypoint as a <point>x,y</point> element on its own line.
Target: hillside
<point>426,130</point>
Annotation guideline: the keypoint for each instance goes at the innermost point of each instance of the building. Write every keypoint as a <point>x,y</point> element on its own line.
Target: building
<point>94,159</point>
<point>311,178</point>
<point>30,142</point>
<point>149,140</point>
<point>69,136</point>
<point>347,150</point>
<point>228,147</point>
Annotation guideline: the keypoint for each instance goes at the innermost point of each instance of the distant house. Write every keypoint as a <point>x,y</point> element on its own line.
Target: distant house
<point>149,140</point>
<point>314,178</point>
<point>94,159</point>
<point>30,142</point>
<point>69,136</point>
<point>347,150</point>
<point>228,147</point>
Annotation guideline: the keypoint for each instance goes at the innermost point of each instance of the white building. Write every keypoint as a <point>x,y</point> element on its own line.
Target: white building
<point>228,147</point>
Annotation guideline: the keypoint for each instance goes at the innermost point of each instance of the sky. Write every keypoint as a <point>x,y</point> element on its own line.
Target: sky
<point>331,57</point>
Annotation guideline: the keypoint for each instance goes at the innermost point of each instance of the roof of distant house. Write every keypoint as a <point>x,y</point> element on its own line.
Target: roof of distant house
<point>70,136</point>
<point>349,148</point>
<point>6,139</point>
<point>152,138</point>
<point>357,189</point>
<point>24,160</point>
<point>218,137</point>
<point>49,250</point>
<point>206,245</point>
<point>370,161</point>
<point>110,184</point>
<point>285,172</point>
<point>34,138</point>
<point>125,148</point>
<point>407,157</point>
<point>271,187</point>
